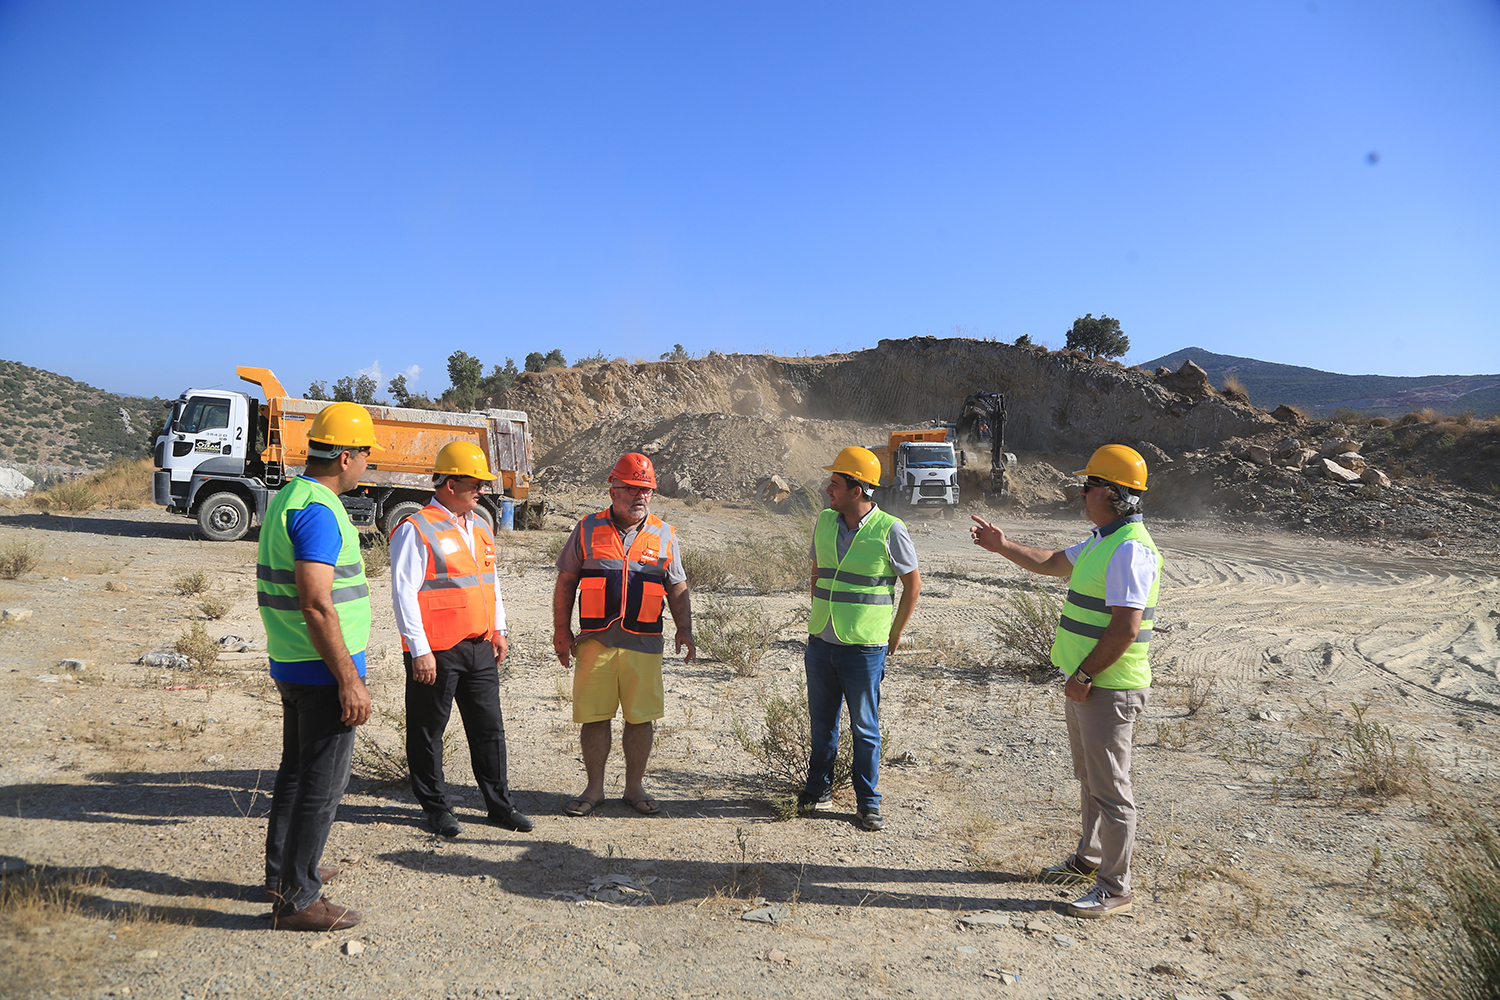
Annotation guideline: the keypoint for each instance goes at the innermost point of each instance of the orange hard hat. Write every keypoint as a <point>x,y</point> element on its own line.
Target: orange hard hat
<point>633,469</point>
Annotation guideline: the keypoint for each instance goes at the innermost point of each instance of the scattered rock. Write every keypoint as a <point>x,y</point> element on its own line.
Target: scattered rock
<point>47,678</point>
<point>1064,941</point>
<point>78,666</point>
<point>1374,477</point>
<point>766,914</point>
<point>965,949</point>
<point>780,957</point>
<point>986,918</point>
<point>1006,976</point>
<point>774,489</point>
<point>13,484</point>
<point>145,954</point>
<point>1301,458</point>
<point>1351,460</point>
<point>15,614</point>
<point>118,586</point>
<point>623,949</point>
<point>1153,455</point>
<point>1266,715</point>
<point>1332,470</point>
<point>1285,414</point>
<point>1338,446</point>
<point>352,948</point>
<point>1168,969</point>
<point>166,660</point>
<point>1257,454</point>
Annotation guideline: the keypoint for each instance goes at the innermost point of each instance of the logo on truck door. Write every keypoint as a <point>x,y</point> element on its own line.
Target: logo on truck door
<point>203,445</point>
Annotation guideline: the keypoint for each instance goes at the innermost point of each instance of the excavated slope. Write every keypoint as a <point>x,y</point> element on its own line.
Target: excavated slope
<point>734,418</point>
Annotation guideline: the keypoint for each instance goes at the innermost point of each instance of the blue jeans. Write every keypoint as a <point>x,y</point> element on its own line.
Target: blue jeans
<point>837,674</point>
<point>316,748</point>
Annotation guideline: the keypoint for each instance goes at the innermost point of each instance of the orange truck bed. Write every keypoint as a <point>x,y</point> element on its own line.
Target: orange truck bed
<point>898,438</point>
<point>411,438</point>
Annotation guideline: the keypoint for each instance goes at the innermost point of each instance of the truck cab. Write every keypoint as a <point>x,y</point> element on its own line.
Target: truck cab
<point>209,436</point>
<point>918,469</point>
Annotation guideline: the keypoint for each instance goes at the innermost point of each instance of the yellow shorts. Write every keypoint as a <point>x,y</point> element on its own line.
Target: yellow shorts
<point>606,679</point>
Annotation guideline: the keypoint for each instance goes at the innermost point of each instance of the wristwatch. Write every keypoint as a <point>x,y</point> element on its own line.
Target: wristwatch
<point>1083,676</point>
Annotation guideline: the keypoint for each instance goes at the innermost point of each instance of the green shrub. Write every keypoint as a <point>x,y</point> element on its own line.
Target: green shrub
<point>737,633</point>
<point>18,558</point>
<point>1027,625</point>
<point>781,744</point>
<point>708,570</point>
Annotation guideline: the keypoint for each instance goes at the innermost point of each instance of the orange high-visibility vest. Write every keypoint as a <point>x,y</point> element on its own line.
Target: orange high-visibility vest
<point>457,598</point>
<point>616,586</point>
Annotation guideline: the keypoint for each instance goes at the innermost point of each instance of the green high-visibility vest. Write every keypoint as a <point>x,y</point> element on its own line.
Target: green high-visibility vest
<point>1085,615</point>
<point>287,639</point>
<point>857,592</point>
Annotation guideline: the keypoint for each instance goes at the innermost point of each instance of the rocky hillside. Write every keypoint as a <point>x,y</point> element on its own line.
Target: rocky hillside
<point>1058,401</point>
<point>1320,393</point>
<point>49,422</point>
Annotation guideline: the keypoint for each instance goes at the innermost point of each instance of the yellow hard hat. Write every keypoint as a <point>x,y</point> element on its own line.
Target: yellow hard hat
<point>462,458</point>
<point>344,425</point>
<point>1117,463</point>
<point>858,462</point>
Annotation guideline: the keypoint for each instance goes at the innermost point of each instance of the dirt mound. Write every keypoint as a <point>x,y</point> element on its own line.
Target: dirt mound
<point>724,455</point>
<point>1057,401</point>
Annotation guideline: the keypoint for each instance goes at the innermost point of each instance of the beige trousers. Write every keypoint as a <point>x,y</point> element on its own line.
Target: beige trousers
<point>1099,733</point>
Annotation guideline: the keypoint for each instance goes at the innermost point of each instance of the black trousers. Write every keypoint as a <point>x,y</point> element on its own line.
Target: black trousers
<point>316,748</point>
<point>466,674</point>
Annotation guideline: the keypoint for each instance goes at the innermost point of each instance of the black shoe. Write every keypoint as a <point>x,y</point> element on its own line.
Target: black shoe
<point>443,824</point>
<point>807,805</point>
<point>870,819</point>
<point>513,820</point>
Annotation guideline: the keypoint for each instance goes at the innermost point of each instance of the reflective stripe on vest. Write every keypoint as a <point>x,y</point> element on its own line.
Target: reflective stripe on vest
<point>619,586</point>
<point>857,593</point>
<point>1085,615</point>
<point>457,597</point>
<point>276,577</point>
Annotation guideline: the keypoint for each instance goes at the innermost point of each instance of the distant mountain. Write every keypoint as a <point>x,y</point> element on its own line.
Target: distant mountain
<point>49,420</point>
<point>1320,393</point>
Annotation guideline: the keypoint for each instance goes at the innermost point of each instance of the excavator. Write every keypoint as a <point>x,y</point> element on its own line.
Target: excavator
<point>979,435</point>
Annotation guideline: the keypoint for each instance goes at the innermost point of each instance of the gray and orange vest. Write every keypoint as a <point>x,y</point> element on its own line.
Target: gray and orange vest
<point>457,597</point>
<point>622,587</point>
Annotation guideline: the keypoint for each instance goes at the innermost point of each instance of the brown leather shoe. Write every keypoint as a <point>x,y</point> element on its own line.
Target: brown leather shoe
<point>326,873</point>
<point>322,915</point>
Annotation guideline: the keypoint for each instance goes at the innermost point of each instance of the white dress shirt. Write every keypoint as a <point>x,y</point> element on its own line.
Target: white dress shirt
<point>409,570</point>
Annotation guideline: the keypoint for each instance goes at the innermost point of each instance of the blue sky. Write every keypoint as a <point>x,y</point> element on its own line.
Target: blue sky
<point>325,188</point>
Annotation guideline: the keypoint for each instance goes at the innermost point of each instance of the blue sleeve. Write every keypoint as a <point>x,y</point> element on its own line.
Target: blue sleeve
<point>314,531</point>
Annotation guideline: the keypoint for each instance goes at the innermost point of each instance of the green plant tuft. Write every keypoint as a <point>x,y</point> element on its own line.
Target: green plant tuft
<point>1027,626</point>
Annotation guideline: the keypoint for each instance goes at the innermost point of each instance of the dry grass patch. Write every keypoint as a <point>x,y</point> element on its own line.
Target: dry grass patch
<point>74,496</point>
<point>19,557</point>
<point>191,584</point>
<point>198,646</point>
<point>213,608</point>
<point>124,484</point>
<point>375,549</point>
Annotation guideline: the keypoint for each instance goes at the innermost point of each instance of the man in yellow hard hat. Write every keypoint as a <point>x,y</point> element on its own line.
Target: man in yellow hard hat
<point>1102,645</point>
<point>452,622</point>
<point>315,605</point>
<point>858,553</point>
<point>621,565</point>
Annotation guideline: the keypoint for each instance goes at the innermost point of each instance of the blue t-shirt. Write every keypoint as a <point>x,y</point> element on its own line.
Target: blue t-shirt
<point>314,531</point>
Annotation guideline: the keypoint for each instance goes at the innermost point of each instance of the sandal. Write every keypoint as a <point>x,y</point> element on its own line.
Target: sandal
<point>645,805</point>
<point>581,806</point>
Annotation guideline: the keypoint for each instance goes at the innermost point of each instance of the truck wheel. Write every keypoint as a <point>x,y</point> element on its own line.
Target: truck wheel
<point>400,512</point>
<point>223,517</point>
<point>488,515</point>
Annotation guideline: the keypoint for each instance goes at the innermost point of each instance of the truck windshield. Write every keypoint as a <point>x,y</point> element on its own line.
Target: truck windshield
<point>929,456</point>
<point>202,414</point>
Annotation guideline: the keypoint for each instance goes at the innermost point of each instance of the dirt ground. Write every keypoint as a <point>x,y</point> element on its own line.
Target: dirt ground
<point>137,796</point>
